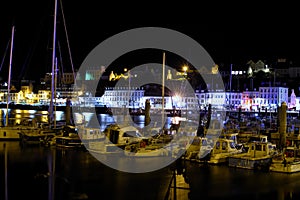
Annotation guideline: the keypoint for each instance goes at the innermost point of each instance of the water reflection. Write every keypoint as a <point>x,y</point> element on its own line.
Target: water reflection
<point>91,119</point>
<point>57,173</point>
<point>15,116</point>
<point>222,182</point>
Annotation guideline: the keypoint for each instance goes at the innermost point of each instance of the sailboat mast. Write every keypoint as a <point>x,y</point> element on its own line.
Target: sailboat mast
<point>163,90</point>
<point>53,64</point>
<point>9,73</point>
<point>55,86</point>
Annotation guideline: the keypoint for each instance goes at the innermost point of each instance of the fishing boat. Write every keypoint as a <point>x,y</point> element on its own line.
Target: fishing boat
<point>67,137</point>
<point>90,134</point>
<point>197,150</point>
<point>36,136</point>
<point>222,149</point>
<point>12,132</point>
<point>287,162</point>
<point>117,137</point>
<point>145,149</point>
<point>104,148</point>
<point>258,156</point>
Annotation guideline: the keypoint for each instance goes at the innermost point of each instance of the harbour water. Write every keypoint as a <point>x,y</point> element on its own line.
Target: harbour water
<point>53,173</point>
<point>37,172</point>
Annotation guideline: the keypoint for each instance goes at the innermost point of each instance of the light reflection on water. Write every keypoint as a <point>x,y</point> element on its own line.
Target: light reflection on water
<point>16,116</point>
<point>101,121</point>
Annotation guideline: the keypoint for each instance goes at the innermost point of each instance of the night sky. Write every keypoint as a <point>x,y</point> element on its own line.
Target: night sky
<point>229,36</point>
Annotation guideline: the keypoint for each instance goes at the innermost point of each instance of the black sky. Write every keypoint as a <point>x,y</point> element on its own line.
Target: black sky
<point>233,35</point>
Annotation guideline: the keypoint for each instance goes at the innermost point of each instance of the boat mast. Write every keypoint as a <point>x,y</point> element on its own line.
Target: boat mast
<point>55,86</point>
<point>9,73</point>
<point>163,91</point>
<point>51,116</point>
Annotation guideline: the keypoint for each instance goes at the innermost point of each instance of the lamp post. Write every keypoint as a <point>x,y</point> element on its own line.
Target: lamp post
<point>185,68</point>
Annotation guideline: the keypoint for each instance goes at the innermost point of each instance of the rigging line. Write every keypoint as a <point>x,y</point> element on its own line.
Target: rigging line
<point>4,54</point>
<point>30,54</point>
<point>61,64</point>
<point>68,43</point>
<point>27,60</point>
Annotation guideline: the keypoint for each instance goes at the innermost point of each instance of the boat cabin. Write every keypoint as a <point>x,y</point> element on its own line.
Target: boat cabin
<point>122,135</point>
<point>224,145</point>
<point>261,149</point>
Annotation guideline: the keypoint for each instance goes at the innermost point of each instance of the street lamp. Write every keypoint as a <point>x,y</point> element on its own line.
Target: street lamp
<point>185,69</point>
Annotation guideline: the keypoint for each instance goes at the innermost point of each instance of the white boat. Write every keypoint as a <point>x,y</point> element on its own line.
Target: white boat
<point>122,135</point>
<point>89,134</point>
<point>231,135</point>
<point>10,133</point>
<point>258,156</point>
<point>287,162</point>
<point>198,149</point>
<point>260,138</point>
<point>145,149</point>
<point>222,149</point>
<point>116,138</point>
<point>13,132</point>
<point>104,148</point>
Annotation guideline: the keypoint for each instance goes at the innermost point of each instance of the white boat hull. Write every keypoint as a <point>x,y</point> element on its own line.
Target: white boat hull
<point>148,152</point>
<point>249,162</point>
<point>285,168</point>
<point>9,133</point>
<point>104,148</point>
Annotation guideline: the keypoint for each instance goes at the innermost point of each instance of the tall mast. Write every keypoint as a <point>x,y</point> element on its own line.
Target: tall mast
<point>53,64</point>
<point>230,84</point>
<point>163,90</point>
<point>9,73</point>
<point>55,86</point>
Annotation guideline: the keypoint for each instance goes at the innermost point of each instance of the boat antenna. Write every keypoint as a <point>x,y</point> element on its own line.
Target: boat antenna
<point>9,73</point>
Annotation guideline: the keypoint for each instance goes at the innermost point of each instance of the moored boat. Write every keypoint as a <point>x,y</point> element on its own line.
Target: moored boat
<point>198,149</point>
<point>67,137</point>
<point>146,149</point>
<point>35,136</point>
<point>70,141</point>
<point>287,162</point>
<point>222,149</point>
<point>258,156</point>
<point>9,133</point>
<point>89,134</point>
<point>115,138</point>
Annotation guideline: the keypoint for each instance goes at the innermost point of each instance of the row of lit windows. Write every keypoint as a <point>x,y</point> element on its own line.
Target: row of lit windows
<point>273,90</point>
<point>232,96</point>
<point>121,99</point>
<point>117,93</point>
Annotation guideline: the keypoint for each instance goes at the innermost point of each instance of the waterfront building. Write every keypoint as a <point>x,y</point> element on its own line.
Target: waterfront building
<point>272,96</point>
<point>67,78</point>
<point>250,100</point>
<point>269,95</point>
<point>233,99</point>
<point>130,97</point>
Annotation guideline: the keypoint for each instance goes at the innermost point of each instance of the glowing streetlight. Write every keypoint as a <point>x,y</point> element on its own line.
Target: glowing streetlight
<point>185,69</point>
